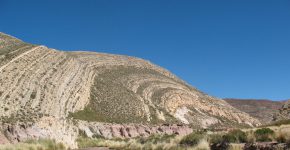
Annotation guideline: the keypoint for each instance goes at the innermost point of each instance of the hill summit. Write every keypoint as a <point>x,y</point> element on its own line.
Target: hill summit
<point>56,94</point>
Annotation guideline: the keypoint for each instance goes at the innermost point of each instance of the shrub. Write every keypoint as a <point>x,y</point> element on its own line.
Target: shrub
<point>192,139</point>
<point>236,136</point>
<point>264,134</point>
<point>156,139</point>
<point>6,109</point>
<point>281,138</point>
<point>288,143</point>
<point>250,136</point>
<point>33,95</point>
<point>218,142</point>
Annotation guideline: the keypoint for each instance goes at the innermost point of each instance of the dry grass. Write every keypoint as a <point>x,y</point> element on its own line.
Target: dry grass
<point>43,144</point>
<point>281,134</point>
<point>163,143</point>
<point>154,142</point>
<point>235,146</point>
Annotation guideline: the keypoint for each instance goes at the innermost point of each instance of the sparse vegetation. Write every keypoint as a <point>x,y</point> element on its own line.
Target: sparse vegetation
<point>42,144</point>
<point>152,142</point>
<point>264,134</point>
<point>156,139</point>
<point>280,122</point>
<point>6,109</point>
<point>218,141</point>
<point>192,139</point>
<point>236,136</point>
<point>33,95</point>
<point>109,90</point>
<point>196,141</point>
<point>122,92</point>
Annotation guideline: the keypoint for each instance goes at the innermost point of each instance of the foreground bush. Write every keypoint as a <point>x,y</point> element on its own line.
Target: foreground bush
<point>156,139</point>
<point>288,143</point>
<point>281,138</point>
<point>192,139</point>
<point>236,136</point>
<point>264,135</point>
<point>218,142</point>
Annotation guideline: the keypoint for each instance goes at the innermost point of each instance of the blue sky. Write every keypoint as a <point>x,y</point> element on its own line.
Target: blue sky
<point>225,48</point>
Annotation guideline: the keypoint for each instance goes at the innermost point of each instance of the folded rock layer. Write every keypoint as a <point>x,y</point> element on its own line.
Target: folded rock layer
<point>50,93</point>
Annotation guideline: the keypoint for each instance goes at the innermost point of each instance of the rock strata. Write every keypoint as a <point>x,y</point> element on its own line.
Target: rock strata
<point>130,130</point>
<point>44,91</point>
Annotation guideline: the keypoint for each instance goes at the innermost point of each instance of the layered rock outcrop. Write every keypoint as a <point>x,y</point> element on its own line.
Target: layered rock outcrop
<point>50,92</point>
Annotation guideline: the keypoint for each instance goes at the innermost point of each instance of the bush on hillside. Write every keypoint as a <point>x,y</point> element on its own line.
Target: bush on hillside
<point>218,142</point>
<point>236,136</point>
<point>264,134</point>
<point>155,138</point>
<point>192,139</point>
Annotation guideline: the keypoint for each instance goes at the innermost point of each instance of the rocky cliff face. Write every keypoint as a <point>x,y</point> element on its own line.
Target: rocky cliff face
<point>49,93</point>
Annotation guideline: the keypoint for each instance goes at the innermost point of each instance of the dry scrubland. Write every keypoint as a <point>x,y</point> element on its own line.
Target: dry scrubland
<point>43,144</point>
<point>234,139</point>
<point>272,137</point>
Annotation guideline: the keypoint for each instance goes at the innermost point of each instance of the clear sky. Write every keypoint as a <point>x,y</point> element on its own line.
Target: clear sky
<point>226,48</point>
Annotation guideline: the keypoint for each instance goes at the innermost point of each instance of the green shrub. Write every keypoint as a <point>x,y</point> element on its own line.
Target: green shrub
<point>218,142</point>
<point>33,95</point>
<point>192,139</point>
<point>236,136</point>
<point>156,139</point>
<point>264,134</point>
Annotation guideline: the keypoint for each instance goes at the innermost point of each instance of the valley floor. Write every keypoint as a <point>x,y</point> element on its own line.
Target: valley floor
<point>271,137</point>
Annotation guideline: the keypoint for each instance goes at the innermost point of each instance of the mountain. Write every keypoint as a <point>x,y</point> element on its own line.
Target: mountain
<point>264,110</point>
<point>56,94</point>
<point>284,112</point>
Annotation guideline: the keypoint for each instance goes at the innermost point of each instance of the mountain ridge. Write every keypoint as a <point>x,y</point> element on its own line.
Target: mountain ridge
<point>54,94</point>
<point>263,109</point>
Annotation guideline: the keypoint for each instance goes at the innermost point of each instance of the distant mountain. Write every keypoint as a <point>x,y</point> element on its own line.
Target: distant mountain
<point>284,112</point>
<point>47,93</point>
<point>262,109</point>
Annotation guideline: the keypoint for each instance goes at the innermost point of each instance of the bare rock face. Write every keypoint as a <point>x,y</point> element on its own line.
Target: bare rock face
<point>47,127</point>
<point>108,130</point>
<point>46,90</point>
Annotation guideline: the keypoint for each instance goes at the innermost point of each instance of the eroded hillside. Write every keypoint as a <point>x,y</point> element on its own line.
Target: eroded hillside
<point>283,113</point>
<point>264,110</point>
<point>49,93</point>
